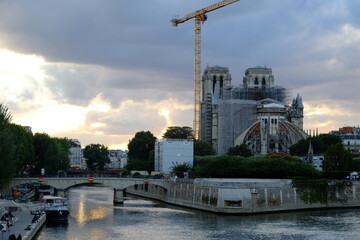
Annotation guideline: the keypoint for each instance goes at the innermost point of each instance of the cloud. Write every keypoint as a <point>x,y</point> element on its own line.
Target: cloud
<point>109,69</point>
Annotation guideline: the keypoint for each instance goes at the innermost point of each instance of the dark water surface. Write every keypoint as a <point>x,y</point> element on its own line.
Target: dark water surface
<point>93,216</point>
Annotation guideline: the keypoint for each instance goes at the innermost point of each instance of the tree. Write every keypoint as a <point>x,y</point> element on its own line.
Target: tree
<point>319,143</point>
<point>52,154</point>
<point>7,155</point>
<point>141,151</point>
<point>24,143</point>
<point>355,165</point>
<point>240,150</point>
<point>62,153</point>
<point>177,132</point>
<point>203,148</point>
<point>96,156</point>
<point>182,167</point>
<point>5,115</point>
<point>252,167</point>
<point>337,158</point>
<point>140,145</point>
<point>7,146</point>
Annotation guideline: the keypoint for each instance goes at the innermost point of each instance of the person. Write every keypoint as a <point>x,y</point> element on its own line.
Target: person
<point>12,237</point>
<point>19,237</point>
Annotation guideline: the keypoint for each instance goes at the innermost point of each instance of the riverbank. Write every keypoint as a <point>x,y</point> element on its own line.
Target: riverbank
<point>25,223</point>
<point>249,196</point>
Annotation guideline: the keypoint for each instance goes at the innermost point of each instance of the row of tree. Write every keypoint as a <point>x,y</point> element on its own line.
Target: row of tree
<point>22,152</point>
<point>141,147</point>
<point>239,161</point>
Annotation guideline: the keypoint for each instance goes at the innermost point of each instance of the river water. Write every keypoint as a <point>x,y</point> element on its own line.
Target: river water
<point>93,216</point>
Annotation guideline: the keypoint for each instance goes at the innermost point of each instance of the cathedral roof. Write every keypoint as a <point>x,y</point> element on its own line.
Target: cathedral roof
<point>273,105</point>
<point>268,101</point>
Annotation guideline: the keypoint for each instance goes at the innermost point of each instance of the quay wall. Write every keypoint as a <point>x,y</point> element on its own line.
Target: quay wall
<point>29,235</point>
<point>245,196</point>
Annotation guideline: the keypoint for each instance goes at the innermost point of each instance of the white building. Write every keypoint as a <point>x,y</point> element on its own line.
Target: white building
<point>77,159</point>
<point>118,159</point>
<point>172,152</point>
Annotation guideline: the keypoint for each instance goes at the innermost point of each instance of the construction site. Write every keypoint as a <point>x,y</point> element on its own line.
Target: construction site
<point>224,114</point>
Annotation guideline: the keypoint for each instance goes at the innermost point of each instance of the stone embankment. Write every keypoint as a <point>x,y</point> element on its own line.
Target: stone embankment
<point>25,223</point>
<point>245,196</point>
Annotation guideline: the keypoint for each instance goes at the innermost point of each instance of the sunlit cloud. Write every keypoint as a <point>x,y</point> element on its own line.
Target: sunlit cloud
<point>105,88</point>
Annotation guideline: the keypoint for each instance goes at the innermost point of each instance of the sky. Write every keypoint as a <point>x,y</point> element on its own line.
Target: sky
<point>100,71</point>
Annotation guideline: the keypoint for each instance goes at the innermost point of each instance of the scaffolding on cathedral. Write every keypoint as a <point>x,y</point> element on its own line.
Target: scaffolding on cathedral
<point>277,93</point>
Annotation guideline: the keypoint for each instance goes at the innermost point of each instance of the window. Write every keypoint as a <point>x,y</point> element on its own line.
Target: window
<point>263,82</point>
<point>214,83</point>
<point>256,81</point>
<point>233,203</point>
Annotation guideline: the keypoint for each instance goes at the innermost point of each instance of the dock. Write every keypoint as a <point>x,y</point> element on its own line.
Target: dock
<point>24,222</point>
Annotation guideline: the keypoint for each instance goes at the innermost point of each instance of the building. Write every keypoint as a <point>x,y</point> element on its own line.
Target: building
<point>256,113</point>
<point>350,137</point>
<point>172,152</point>
<point>77,159</point>
<point>118,159</point>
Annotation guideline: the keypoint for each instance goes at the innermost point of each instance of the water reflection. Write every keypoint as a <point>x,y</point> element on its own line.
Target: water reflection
<point>93,216</point>
<point>89,203</point>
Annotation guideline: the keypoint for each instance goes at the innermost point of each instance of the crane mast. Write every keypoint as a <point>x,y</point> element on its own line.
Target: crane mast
<point>199,16</point>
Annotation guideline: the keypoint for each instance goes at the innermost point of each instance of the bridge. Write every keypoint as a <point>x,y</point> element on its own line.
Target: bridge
<point>118,184</point>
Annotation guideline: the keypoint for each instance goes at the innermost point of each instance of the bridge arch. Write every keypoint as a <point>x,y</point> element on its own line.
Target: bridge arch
<point>118,184</point>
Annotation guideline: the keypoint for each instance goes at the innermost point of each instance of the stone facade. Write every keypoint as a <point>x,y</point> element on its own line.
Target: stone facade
<point>256,113</point>
<point>247,196</point>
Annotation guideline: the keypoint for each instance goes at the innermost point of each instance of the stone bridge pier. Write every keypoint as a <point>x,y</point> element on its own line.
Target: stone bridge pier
<point>60,192</point>
<point>118,196</point>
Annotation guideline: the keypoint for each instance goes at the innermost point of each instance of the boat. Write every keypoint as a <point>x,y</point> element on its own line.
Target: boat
<point>56,208</point>
<point>46,190</point>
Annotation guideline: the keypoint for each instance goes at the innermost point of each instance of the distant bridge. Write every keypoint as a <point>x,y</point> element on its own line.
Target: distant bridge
<point>118,184</point>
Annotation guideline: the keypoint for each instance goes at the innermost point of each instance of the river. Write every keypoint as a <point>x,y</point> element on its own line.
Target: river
<point>93,216</point>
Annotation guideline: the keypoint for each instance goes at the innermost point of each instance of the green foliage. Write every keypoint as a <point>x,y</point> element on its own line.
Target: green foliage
<point>311,191</point>
<point>335,174</point>
<point>97,156</point>
<point>16,146</point>
<point>5,115</point>
<point>51,154</point>
<point>141,152</point>
<point>203,148</point>
<point>321,191</point>
<point>240,150</point>
<point>7,155</point>
<point>62,153</point>
<point>337,158</point>
<point>281,155</point>
<point>253,167</point>
<point>20,151</point>
<point>319,143</point>
<point>137,164</point>
<point>136,174</point>
<point>140,145</point>
<point>355,165</point>
<point>24,142</point>
<point>183,167</point>
<point>177,132</point>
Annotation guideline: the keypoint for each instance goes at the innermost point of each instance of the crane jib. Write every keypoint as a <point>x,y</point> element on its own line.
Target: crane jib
<point>207,9</point>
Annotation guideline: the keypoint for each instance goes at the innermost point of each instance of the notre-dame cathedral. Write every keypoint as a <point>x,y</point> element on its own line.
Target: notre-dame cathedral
<point>257,113</point>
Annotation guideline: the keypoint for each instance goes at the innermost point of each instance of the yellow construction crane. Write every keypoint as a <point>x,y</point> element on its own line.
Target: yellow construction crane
<point>199,16</point>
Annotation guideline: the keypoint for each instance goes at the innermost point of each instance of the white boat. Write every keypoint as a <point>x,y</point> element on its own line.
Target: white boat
<point>55,207</point>
<point>46,190</point>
